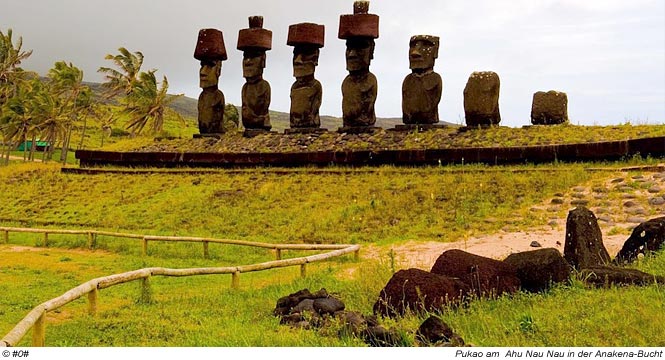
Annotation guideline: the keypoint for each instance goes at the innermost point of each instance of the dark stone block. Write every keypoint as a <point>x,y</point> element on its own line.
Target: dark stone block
<point>306,130</point>
<point>645,238</point>
<point>538,269</point>
<point>378,336</point>
<point>584,240</point>
<point>206,136</point>
<point>328,305</point>
<point>549,108</point>
<point>418,127</point>
<point>605,276</point>
<point>434,331</point>
<point>358,129</point>
<point>485,276</point>
<point>418,290</point>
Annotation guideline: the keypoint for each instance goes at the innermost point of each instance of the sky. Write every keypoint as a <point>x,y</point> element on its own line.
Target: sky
<point>607,55</point>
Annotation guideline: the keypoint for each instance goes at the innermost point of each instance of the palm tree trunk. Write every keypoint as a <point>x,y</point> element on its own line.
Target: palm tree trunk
<point>33,147</point>
<point>85,124</point>
<point>65,144</point>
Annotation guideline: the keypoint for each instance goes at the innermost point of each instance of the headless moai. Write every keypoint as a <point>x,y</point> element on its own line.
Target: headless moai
<point>254,42</point>
<point>421,90</point>
<point>306,92</point>
<point>481,99</point>
<point>549,108</point>
<point>210,51</point>
<point>359,89</point>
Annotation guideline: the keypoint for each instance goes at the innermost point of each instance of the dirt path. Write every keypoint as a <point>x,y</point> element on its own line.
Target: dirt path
<point>620,203</point>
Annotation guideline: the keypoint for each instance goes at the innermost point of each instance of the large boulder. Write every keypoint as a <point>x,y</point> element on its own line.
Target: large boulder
<point>549,108</point>
<point>486,277</point>
<point>481,99</point>
<point>646,237</point>
<point>538,269</point>
<point>605,276</point>
<point>584,241</point>
<point>418,290</point>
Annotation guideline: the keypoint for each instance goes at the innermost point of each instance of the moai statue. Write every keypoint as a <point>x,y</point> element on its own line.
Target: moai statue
<point>306,92</point>
<point>359,88</point>
<point>254,42</point>
<point>549,108</point>
<point>421,90</point>
<point>210,50</point>
<point>481,99</point>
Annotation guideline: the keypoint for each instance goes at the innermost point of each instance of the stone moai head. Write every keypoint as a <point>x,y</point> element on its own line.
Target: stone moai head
<point>210,50</point>
<point>254,42</point>
<point>423,51</point>
<point>307,39</point>
<point>359,30</point>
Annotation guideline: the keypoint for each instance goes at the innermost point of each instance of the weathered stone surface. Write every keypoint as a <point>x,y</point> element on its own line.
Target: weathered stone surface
<point>255,37</point>
<point>605,276</point>
<point>584,240</point>
<point>305,305</point>
<point>211,51</point>
<point>353,323</point>
<point>421,90</point>
<point>434,331</point>
<point>418,290</point>
<point>538,269</point>
<point>328,305</point>
<point>287,303</point>
<point>549,108</point>
<point>481,99</point>
<point>256,92</point>
<point>359,88</point>
<point>306,34</point>
<point>486,277</point>
<point>210,45</point>
<point>647,237</point>
<point>378,336</point>
<point>360,24</point>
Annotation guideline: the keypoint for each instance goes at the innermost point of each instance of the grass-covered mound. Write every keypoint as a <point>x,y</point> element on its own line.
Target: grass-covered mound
<point>383,139</point>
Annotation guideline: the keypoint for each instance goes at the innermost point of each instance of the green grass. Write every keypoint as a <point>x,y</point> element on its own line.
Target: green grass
<point>378,207</point>
<point>387,205</point>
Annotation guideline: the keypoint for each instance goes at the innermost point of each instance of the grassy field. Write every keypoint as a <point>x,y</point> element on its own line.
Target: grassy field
<point>372,207</point>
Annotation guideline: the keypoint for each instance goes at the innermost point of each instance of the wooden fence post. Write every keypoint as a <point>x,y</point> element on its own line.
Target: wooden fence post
<point>6,236</point>
<point>92,239</point>
<point>206,250</point>
<point>45,239</point>
<point>356,255</point>
<point>145,247</point>
<point>39,331</point>
<point>303,271</point>
<point>146,291</point>
<point>278,254</point>
<point>92,302</point>
<point>235,280</point>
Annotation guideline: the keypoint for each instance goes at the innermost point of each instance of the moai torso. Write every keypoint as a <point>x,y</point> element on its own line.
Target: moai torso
<point>421,94</point>
<point>211,111</point>
<point>305,104</point>
<point>255,103</point>
<point>358,98</point>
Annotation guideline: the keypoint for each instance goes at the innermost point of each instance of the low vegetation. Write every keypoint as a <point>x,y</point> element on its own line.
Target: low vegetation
<point>374,207</point>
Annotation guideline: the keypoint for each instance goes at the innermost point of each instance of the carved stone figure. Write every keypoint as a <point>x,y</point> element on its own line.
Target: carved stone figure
<point>254,42</point>
<point>359,88</point>
<point>210,50</point>
<point>421,90</point>
<point>306,91</point>
<point>549,108</point>
<point>481,99</point>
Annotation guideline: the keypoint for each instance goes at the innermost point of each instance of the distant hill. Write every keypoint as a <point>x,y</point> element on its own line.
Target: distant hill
<point>187,107</point>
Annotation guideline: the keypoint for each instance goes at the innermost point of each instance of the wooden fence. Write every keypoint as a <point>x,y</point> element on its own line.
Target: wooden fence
<point>36,319</point>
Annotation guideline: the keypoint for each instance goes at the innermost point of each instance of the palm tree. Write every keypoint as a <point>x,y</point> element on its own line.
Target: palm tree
<point>16,122</point>
<point>148,102</point>
<point>66,82</point>
<point>122,81</point>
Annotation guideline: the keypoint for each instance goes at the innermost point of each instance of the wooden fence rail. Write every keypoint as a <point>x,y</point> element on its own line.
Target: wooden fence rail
<point>36,318</point>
